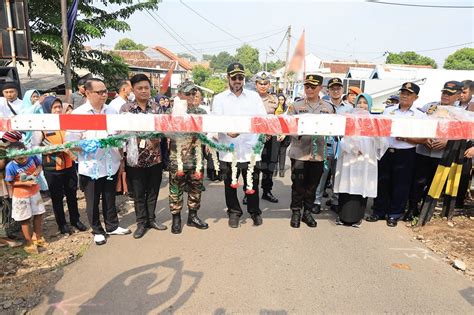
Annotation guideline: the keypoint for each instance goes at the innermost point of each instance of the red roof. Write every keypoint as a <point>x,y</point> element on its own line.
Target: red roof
<point>343,67</point>
<point>130,54</point>
<point>182,62</point>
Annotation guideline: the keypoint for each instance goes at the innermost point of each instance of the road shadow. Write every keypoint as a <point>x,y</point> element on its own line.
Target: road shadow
<point>141,290</point>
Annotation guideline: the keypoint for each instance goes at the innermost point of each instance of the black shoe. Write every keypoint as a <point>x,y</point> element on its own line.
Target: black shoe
<point>335,208</point>
<point>269,197</point>
<point>80,226</point>
<point>257,219</point>
<point>176,224</point>
<point>193,220</point>
<point>139,232</point>
<point>325,195</point>
<point>186,188</point>
<point>64,229</point>
<point>316,209</point>
<point>308,219</point>
<point>156,226</point>
<point>408,217</point>
<point>295,219</point>
<point>203,188</point>
<point>282,173</point>
<point>234,221</point>
<point>373,218</point>
<point>391,222</point>
<point>244,201</point>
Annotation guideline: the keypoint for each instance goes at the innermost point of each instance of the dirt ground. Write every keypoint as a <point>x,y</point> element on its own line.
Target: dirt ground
<point>24,278</point>
<point>451,240</point>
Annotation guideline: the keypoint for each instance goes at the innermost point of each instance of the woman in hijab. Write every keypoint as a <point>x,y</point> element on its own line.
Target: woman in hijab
<point>31,103</point>
<point>356,170</point>
<point>284,140</point>
<point>59,171</point>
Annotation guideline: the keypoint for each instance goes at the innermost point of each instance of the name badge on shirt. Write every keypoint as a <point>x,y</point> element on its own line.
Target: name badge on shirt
<point>142,144</point>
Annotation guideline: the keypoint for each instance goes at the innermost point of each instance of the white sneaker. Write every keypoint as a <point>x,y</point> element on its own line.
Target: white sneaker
<point>99,239</point>
<point>120,231</point>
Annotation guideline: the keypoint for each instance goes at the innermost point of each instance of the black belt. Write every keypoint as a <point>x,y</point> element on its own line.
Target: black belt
<point>392,150</point>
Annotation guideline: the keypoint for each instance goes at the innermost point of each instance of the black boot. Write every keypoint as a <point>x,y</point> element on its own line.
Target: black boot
<point>308,219</point>
<point>176,225</point>
<point>193,220</point>
<point>295,219</point>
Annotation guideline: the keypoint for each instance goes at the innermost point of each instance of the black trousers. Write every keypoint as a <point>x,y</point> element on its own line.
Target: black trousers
<point>351,208</point>
<point>282,154</point>
<point>211,169</point>
<point>63,183</point>
<point>395,175</point>
<point>305,176</point>
<point>425,169</point>
<point>464,182</point>
<point>269,162</point>
<point>146,183</point>
<point>94,190</point>
<point>231,200</point>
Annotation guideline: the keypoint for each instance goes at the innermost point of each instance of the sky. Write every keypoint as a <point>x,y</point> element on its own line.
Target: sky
<point>335,30</point>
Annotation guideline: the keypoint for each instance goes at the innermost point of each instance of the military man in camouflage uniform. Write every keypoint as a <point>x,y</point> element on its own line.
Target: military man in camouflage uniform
<point>307,154</point>
<point>177,182</point>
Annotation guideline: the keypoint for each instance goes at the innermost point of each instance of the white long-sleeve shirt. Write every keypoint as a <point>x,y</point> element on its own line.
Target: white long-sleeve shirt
<point>248,103</point>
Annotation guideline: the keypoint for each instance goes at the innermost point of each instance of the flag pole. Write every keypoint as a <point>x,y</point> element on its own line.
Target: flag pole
<point>66,56</point>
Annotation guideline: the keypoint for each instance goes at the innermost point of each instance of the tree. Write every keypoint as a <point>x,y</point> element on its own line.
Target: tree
<point>201,74</point>
<point>220,62</point>
<point>216,84</point>
<point>462,59</point>
<point>410,58</point>
<point>92,23</point>
<point>187,56</point>
<point>128,44</point>
<point>275,65</point>
<point>206,57</point>
<point>248,57</point>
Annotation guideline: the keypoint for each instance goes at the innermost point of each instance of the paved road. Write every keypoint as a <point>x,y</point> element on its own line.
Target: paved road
<point>271,269</point>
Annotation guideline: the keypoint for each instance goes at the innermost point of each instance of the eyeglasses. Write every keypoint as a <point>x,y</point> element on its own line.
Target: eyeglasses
<point>237,77</point>
<point>190,93</point>
<point>309,86</point>
<point>101,92</point>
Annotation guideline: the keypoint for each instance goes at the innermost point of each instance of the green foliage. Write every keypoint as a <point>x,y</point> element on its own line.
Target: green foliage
<point>128,44</point>
<point>216,84</point>
<point>187,56</point>
<point>274,65</point>
<point>462,59</point>
<point>95,18</point>
<point>248,57</point>
<point>201,74</point>
<point>206,57</point>
<point>410,58</point>
<point>220,62</point>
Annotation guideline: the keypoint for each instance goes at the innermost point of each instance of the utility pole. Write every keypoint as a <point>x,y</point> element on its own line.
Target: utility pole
<point>285,77</point>
<point>66,55</point>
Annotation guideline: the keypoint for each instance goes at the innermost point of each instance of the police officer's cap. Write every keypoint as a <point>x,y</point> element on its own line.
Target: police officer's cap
<point>335,81</point>
<point>235,68</point>
<point>262,76</point>
<point>452,87</point>
<point>410,87</point>
<point>313,79</point>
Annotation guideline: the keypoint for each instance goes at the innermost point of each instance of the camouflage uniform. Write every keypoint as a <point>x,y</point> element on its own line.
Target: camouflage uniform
<point>189,145</point>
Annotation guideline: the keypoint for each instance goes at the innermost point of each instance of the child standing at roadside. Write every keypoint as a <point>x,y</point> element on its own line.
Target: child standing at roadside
<point>21,173</point>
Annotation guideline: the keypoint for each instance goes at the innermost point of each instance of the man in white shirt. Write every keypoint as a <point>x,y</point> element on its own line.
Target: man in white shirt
<point>98,171</point>
<point>124,88</point>
<point>10,104</point>
<point>238,101</point>
<point>397,166</point>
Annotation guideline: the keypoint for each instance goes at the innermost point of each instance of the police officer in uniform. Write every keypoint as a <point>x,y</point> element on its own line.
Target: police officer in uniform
<point>397,166</point>
<point>307,154</point>
<point>429,154</point>
<point>270,150</point>
<point>178,182</point>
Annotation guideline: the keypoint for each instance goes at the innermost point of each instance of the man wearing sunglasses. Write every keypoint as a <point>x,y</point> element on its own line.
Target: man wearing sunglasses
<point>307,154</point>
<point>178,182</point>
<point>237,101</point>
<point>98,172</point>
<point>429,154</point>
